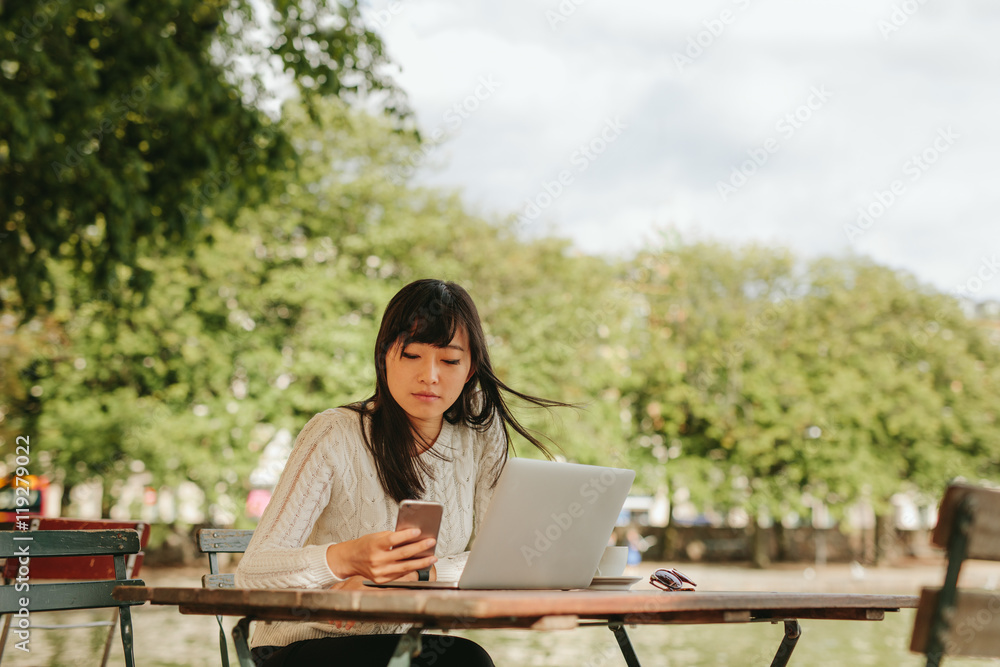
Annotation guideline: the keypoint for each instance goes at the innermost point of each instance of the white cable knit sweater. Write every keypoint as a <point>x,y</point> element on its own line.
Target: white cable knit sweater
<point>329,492</point>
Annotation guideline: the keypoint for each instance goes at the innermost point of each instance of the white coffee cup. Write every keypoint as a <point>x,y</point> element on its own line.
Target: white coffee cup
<point>612,562</point>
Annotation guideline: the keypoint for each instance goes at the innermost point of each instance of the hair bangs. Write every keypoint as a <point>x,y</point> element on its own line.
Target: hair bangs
<point>435,322</point>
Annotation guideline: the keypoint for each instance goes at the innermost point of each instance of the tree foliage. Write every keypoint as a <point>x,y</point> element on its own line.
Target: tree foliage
<point>125,124</point>
<point>182,327</point>
<point>263,323</point>
<point>766,383</point>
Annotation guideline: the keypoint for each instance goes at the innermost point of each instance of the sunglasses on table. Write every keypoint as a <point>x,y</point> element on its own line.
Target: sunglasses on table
<point>669,579</point>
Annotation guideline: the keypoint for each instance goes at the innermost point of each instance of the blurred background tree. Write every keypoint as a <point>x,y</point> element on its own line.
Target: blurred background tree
<point>124,124</point>
<point>183,274</point>
<point>767,383</point>
<point>261,324</point>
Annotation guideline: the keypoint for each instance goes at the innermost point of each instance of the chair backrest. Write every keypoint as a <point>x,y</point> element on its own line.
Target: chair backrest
<point>100,567</point>
<point>953,621</point>
<point>28,549</point>
<point>215,541</point>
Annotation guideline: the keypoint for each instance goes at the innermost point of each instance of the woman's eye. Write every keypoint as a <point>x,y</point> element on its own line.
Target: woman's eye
<point>407,355</point>
<point>453,362</point>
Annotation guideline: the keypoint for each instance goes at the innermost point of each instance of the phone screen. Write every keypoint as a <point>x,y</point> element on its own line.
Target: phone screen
<point>423,515</point>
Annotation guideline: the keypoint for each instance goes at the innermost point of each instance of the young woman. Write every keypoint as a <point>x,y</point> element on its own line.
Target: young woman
<point>437,428</point>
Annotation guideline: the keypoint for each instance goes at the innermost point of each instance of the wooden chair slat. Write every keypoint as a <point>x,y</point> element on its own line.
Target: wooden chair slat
<point>974,630</point>
<point>43,543</point>
<point>984,533</point>
<point>215,581</point>
<point>77,567</point>
<point>223,540</point>
<point>62,596</point>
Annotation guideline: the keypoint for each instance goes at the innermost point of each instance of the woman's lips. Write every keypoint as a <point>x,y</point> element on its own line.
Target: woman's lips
<point>426,397</point>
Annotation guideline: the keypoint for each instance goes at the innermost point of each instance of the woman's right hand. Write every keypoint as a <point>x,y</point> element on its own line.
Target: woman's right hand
<point>381,557</point>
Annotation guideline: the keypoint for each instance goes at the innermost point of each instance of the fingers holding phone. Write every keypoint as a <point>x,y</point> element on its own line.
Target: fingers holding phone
<point>381,556</point>
<point>390,555</point>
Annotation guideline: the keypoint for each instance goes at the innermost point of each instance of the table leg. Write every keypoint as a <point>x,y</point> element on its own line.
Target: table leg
<point>792,633</point>
<point>631,659</point>
<point>408,647</point>
<point>241,637</point>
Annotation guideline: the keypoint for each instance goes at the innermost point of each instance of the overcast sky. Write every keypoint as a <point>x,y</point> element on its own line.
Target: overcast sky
<point>741,120</point>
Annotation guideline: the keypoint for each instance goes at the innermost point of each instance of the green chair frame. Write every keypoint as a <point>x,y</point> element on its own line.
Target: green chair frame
<point>132,566</point>
<point>24,597</point>
<point>215,541</point>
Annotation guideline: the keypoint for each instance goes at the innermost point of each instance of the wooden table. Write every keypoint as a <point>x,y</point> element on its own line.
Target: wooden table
<point>535,610</point>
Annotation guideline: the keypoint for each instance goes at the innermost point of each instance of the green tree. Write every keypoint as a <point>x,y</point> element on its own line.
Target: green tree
<point>123,124</point>
<point>904,372</point>
<point>262,324</point>
<point>764,383</point>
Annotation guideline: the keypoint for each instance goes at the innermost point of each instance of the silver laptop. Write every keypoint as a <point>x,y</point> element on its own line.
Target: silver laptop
<point>546,527</point>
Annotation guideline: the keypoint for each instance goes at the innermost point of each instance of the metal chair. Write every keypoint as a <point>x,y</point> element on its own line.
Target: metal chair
<point>24,597</point>
<point>78,568</point>
<point>213,541</point>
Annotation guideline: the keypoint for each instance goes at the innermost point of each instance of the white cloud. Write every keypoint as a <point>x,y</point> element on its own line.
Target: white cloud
<point>689,126</point>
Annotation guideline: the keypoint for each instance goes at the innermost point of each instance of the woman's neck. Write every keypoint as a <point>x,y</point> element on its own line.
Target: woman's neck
<point>427,432</point>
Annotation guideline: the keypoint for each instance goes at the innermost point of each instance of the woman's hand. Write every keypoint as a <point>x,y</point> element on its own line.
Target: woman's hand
<point>358,583</point>
<point>381,557</point>
<point>349,584</point>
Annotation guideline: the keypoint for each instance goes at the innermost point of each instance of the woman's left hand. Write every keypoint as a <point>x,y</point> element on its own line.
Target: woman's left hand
<point>349,584</point>
<point>358,583</point>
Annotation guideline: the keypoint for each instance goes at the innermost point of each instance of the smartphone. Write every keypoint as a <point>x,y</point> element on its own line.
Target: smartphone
<point>423,515</point>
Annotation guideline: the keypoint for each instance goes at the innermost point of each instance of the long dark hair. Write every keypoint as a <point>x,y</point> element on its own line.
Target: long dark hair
<point>431,311</point>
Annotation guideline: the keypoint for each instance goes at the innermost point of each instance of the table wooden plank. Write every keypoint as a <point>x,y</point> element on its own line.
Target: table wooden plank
<point>520,608</point>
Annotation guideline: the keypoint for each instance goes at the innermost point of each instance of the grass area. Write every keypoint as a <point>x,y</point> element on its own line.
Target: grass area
<point>823,643</point>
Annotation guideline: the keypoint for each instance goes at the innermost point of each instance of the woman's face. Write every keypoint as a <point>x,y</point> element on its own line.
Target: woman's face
<point>426,380</point>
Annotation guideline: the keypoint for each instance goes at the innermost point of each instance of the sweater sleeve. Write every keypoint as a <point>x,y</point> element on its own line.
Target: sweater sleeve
<point>278,556</point>
<point>490,455</point>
